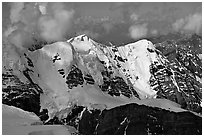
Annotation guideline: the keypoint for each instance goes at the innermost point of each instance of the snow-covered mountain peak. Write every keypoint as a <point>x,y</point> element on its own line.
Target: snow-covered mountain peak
<point>84,72</point>
<point>82,37</point>
<point>81,71</point>
<point>133,61</point>
<point>82,43</point>
<point>81,75</point>
<point>141,45</point>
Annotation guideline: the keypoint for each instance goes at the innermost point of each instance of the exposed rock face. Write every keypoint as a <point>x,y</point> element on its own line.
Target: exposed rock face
<point>22,95</point>
<point>180,79</point>
<point>184,51</point>
<point>74,78</point>
<point>133,119</point>
<point>116,86</point>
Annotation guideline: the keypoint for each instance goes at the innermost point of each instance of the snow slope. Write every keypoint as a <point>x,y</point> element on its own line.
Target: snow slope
<point>48,64</point>
<point>136,66</point>
<point>21,117</point>
<point>16,121</point>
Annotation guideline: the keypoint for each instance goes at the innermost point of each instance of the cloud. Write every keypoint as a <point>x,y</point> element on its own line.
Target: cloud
<point>108,26</point>
<point>38,22</point>
<point>191,23</point>
<point>138,31</point>
<point>178,24</point>
<point>50,22</point>
<point>42,7</point>
<point>8,31</point>
<point>194,23</point>
<point>55,24</point>
<point>16,39</point>
<point>15,11</point>
<point>92,35</point>
<point>134,17</point>
<point>154,32</point>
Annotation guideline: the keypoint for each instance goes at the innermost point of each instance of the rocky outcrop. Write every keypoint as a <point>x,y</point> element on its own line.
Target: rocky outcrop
<point>133,119</point>
<point>74,78</point>
<point>22,95</point>
<point>186,51</point>
<point>180,79</point>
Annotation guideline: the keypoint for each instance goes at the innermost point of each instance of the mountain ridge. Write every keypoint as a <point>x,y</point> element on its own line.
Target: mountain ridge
<point>81,72</point>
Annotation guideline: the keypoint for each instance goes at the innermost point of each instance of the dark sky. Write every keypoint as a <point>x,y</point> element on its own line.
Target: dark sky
<point>121,22</point>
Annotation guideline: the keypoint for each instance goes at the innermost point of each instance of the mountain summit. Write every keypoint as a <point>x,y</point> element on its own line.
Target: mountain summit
<point>82,72</point>
<point>70,82</point>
